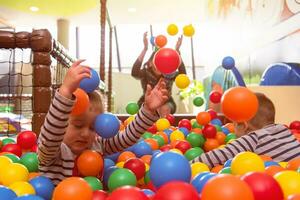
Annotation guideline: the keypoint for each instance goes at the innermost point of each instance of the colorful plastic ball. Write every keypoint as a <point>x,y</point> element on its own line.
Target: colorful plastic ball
<point>6,141</point>
<point>152,129</point>
<point>99,195</point>
<point>172,29</point>
<point>188,30</point>
<point>201,179</point>
<point>239,104</point>
<point>6,193</point>
<point>210,144</point>
<point>182,81</point>
<point>228,163</point>
<point>148,192</point>
<point>176,135</point>
<point>196,140</point>
<point>108,163</point>
<point>228,63</point>
<point>230,136</point>
<point>73,188</point>
<point>272,170</point>
<point>124,156</point>
<point>245,162</point>
<point>203,118</point>
<point>107,125</point>
<point>164,136</point>
<point>126,193</point>
<point>161,41</point>
<point>183,146</point>
<point>132,108</point>
<point>162,124</point>
<point>220,137</point>
<point>82,102</point>
<point>209,131</point>
<point>4,161</point>
<point>121,177</point>
<point>141,149</point>
<point>263,186</point>
<point>213,114</point>
<point>295,125</point>
<point>26,139</point>
<point>293,164</point>
<point>147,135</point>
<point>184,130</point>
<point>216,121</point>
<point>225,170</point>
<point>12,148</point>
<point>107,174</point>
<point>22,188</point>
<point>34,148</point>
<point>30,161</point>
<point>215,97</point>
<point>152,143</point>
<point>14,172</point>
<point>198,167</point>
<point>176,190</point>
<point>114,156</point>
<point>90,163</point>
<point>90,84</point>
<point>94,183</point>
<point>270,163</point>
<point>166,147</point>
<point>167,60</point>
<point>164,168</point>
<point>170,118</point>
<point>185,123</point>
<point>294,197</point>
<point>193,153</point>
<point>198,101</point>
<point>43,187</point>
<point>229,187</point>
<point>29,197</point>
<point>225,130</point>
<point>289,182</point>
<point>159,139</point>
<point>137,166</point>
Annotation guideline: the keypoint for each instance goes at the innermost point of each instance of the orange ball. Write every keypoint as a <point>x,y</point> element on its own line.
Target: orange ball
<point>294,197</point>
<point>293,164</point>
<point>152,143</point>
<point>164,135</point>
<point>161,41</point>
<point>265,158</point>
<point>239,104</point>
<point>211,144</point>
<point>33,175</point>
<point>124,156</point>
<point>226,187</point>
<point>220,137</point>
<point>90,163</point>
<point>272,170</point>
<point>73,188</point>
<point>146,159</point>
<point>82,102</point>
<point>197,130</point>
<point>216,169</point>
<point>230,127</point>
<point>203,118</point>
<point>174,143</point>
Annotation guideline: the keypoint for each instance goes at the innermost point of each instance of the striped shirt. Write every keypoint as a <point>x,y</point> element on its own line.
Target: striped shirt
<point>275,141</point>
<point>56,159</point>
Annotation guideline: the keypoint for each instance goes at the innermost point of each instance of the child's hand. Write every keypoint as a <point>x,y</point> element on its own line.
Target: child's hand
<point>178,43</point>
<point>73,77</point>
<point>156,97</point>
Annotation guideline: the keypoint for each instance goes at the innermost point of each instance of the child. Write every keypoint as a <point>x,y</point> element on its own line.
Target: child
<point>63,137</point>
<point>259,135</point>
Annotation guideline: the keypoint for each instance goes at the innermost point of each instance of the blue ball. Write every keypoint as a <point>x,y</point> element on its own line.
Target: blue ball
<point>225,130</point>
<point>107,125</point>
<point>271,163</point>
<point>6,193</point>
<point>155,153</point>
<point>29,197</point>
<point>43,187</point>
<point>90,84</point>
<point>148,192</point>
<point>113,157</point>
<point>169,166</point>
<point>184,130</point>
<point>216,122</point>
<point>107,174</point>
<point>228,62</point>
<point>108,163</point>
<point>168,132</point>
<point>200,180</point>
<point>141,149</point>
<point>227,163</point>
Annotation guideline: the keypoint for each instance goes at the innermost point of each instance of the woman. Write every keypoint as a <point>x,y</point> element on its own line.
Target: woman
<point>148,74</point>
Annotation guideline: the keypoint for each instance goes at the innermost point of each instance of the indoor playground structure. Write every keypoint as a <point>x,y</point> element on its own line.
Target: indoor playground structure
<point>160,165</point>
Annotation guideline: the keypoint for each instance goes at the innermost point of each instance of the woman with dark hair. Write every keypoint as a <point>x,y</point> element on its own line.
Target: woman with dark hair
<point>149,75</point>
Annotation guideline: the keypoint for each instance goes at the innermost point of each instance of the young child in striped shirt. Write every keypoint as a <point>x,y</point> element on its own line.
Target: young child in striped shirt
<point>259,135</point>
<point>63,137</point>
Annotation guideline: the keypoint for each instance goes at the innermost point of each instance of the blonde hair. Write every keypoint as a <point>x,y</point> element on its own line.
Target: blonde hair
<point>96,101</point>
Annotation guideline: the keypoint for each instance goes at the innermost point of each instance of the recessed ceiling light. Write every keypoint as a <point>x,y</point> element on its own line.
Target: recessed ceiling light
<point>34,9</point>
<point>131,9</point>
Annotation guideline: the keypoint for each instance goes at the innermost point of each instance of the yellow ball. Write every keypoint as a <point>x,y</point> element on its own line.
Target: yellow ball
<point>230,141</point>
<point>283,164</point>
<point>176,135</point>
<point>120,164</point>
<point>188,30</point>
<point>129,120</point>
<point>182,81</point>
<point>176,151</point>
<point>162,124</point>
<point>147,167</point>
<point>198,167</point>
<point>13,173</point>
<point>289,182</point>
<point>141,181</point>
<point>222,146</point>
<point>22,188</point>
<point>245,162</point>
<point>172,29</point>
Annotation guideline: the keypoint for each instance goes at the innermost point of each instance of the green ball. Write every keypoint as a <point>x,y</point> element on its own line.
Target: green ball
<point>121,177</point>
<point>195,139</point>
<point>6,141</point>
<point>230,136</point>
<point>196,125</point>
<point>147,135</point>
<point>193,153</point>
<point>13,158</point>
<point>160,140</point>
<point>30,161</point>
<point>198,101</point>
<point>94,182</point>
<point>132,108</point>
<point>147,177</point>
<point>219,128</point>
<point>226,170</point>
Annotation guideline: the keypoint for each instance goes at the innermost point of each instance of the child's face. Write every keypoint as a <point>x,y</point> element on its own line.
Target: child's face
<point>80,133</point>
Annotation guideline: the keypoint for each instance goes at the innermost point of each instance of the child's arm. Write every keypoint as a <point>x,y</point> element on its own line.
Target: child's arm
<point>219,156</point>
<point>154,98</point>
<point>136,69</point>
<point>56,121</point>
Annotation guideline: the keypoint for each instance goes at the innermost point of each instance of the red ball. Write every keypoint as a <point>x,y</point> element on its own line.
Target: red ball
<point>185,123</point>
<point>26,139</point>
<point>176,190</point>
<point>99,195</point>
<point>295,125</point>
<point>167,60</point>
<point>34,148</point>
<point>170,118</point>
<point>12,148</point>
<point>213,114</point>
<point>126,193</point>
<point>166,147</point>
<point>183,146</point>
<point>263,186</point>
<point>137,166</point>
<point>215,97</point>
<point>152,129</point>
<point>209,131</point>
